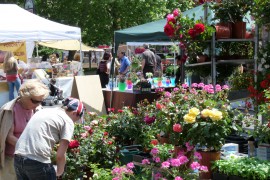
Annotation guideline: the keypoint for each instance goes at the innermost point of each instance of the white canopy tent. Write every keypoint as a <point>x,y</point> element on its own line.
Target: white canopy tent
<point>17,24</point>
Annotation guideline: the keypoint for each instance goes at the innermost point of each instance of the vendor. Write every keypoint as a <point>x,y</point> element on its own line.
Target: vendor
<point>22,67</point>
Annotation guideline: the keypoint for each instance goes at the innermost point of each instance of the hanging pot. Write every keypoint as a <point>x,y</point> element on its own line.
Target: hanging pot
<point>239,30</point>
<point>223,30</point>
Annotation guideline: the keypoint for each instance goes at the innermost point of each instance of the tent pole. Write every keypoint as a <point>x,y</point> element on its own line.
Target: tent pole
<point>81,58</point>
<point>36,49</point>
<point>112,71</point>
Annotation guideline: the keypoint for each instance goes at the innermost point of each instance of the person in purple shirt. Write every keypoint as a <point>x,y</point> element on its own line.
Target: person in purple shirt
<point>125,63</point>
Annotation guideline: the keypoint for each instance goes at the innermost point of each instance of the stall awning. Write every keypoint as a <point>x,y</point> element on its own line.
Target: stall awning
<point>71,45</point>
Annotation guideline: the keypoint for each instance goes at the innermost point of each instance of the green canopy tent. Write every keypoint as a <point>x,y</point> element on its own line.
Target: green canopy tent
<point>154,31</point>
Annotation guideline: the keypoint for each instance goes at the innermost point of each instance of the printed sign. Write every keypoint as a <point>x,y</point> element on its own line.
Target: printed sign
<point>18,49</point>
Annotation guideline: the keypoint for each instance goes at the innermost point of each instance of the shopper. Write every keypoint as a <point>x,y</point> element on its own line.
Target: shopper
<point>148,61</point>
<point>14,116</point>
<point>124,64</point>
<point>102,69</point>
<point>46,128</point>
<point>11,69</point>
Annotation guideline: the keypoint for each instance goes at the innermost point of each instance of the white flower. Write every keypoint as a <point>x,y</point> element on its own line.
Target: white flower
<point>266,66</point>
<point>265,55</point>
<point>260,67</point>
<point>263,61</point>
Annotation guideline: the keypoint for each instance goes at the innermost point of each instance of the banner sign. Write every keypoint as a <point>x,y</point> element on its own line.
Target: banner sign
<point>18,49</point>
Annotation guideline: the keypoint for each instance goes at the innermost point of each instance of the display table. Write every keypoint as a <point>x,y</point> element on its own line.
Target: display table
<point>64,83</point>
<point>126,98</point>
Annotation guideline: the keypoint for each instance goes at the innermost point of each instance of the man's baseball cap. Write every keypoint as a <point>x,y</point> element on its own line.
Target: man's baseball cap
<point>74,104</point>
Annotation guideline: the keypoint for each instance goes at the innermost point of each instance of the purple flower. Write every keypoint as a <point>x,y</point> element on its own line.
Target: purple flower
<point>195,165</point>
<point>157,159</point>
<point>175,162</point>
<point>157,176</point>
<point>130,165</point>
<point>183,159</point>
<point>165,164</point>
<point>149,120</point>
<point>189,147</point>
<point>116,178</point>
<point>145,161</point>
<point>154,151</point>
<point>198,155</point>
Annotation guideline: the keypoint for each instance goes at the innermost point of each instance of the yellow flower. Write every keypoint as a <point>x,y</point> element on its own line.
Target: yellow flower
<point>215,115</point>
<point>205,113</point>
<point>194,111</point>
<point>189,118</point>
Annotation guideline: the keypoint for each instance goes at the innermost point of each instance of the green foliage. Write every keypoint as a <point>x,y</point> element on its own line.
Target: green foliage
<point>247,168</point>
<point>261,12</point>
<point>240,80</point>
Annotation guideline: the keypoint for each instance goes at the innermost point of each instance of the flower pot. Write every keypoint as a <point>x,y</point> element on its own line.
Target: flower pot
<point>220,176</point>
<point>239,30</point>
<point>207,158</point>
<point>122,86</point>
<point>159,83</point>
<point>201,58</point>
<point>223,30</point>
<point>129,84</point>
<point>172,79</point>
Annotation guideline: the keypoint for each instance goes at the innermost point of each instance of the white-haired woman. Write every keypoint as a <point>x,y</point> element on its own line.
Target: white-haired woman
<point>11,69</point>
<point>14,117</point>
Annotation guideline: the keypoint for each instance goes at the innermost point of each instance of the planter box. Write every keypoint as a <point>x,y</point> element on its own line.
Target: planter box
<point>263,152</point>
<point>238,94</point>
<point>220,176</point>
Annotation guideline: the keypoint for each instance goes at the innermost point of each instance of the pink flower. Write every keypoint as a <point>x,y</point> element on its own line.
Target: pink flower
<point>183,159</point>
<point>145,161</point>
<point>157,159</point>
<point>198,155</point>
<point>194,85</point>
<point>154,151</point>
<point>170,18</point>
<point>157,176</point>
<point>204,168</point>
<point>175,162</point>
<point>116,178</point>
<point>175,89</point>
<point>225,87</point>
<point>218,88</point>
<point>87,128</point>
<point>200,85</point>
<point>195,165</point>
<point>176,12</point>
<point>189,147</point>
<point>130,165</point>
<point>168,94</point>
<point>84,135</point>
<point>184,85</point>
<point>192,33</point>
<point>211,91</point>
<point>165,164</point>
<point>159,106</point>
<point>149,120</point>
<point>177,128</point>
<point>178,178</point>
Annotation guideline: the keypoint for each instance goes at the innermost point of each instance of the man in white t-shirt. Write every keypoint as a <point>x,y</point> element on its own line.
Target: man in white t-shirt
<point>46,128</point>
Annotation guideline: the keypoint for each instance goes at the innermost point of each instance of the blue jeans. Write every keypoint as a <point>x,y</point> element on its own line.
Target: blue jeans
<point>28,169</point>
<point>11,85</point>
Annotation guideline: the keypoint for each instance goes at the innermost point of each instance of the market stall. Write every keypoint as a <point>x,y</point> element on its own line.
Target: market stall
<point>32,28</point>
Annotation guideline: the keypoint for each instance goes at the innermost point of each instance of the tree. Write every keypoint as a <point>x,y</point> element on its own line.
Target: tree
<point>99,19</point>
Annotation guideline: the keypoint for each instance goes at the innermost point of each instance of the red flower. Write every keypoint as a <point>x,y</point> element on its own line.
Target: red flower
<point>154,142</point>
<point>105,133</point>
<point>90,131</point>
<point>169,30</point>
<point>110,109</point>
<point>73,144</point>
<point>199,28</point>
<point>120,110</point>
<point>177,128</point>
<point>192,33</point>
<point>159,106</point>
<point>264,84</point>
<point>110,142</point>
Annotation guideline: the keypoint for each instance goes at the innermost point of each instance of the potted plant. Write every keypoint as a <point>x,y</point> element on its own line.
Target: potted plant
<point>242,168</point>
<point>261,11</point>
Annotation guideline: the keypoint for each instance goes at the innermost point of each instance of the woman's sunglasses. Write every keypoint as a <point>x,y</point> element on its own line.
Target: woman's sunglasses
<point>35,101</point>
